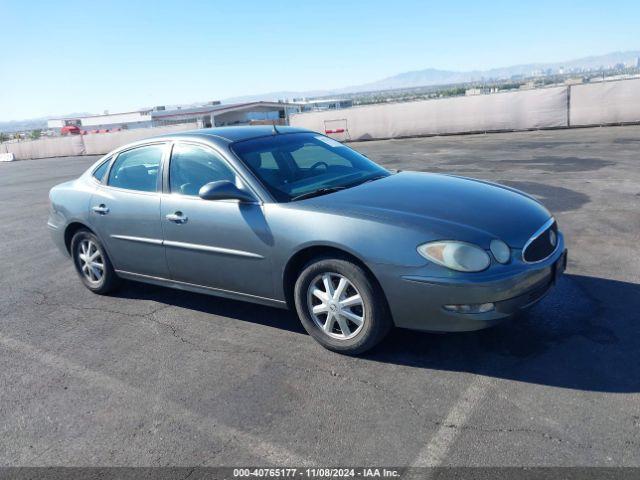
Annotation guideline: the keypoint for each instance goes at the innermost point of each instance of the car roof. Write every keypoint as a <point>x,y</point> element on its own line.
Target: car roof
<point>236,134</point>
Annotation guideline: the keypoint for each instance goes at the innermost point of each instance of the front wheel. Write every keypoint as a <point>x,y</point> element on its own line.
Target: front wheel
<point>341,306</point>
<point>92,263</point>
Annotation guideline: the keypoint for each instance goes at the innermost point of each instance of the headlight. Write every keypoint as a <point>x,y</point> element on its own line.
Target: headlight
<point>500,250</point>
<point>460,256</point>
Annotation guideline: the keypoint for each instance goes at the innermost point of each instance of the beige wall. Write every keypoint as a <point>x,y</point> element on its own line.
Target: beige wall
<point>92,144</point>
<point>579,105</point>
<point>101,143</point>
<point>605,103</point>
<point>46,147</point>
<point>519,110</point>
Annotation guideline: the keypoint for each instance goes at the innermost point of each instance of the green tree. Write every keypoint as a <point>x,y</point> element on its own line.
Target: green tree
<point>35,134</point>
<point>3,137</point>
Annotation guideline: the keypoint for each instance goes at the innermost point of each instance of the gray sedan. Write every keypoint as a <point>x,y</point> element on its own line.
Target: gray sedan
<point>291,218</point>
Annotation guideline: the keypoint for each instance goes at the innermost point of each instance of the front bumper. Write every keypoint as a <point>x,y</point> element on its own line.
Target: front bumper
<point>416,300</point>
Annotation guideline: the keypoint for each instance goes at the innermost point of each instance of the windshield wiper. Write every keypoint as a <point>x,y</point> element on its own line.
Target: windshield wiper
<point>317,193</point>
<point>325,190</point>
<point>366,180</point>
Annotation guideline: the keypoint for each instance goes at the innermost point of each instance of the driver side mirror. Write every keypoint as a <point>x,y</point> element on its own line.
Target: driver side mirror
<point>224,190</point>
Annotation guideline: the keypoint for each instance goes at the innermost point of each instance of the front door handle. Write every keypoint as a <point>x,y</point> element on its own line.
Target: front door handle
<point>176,217</point>
<point>100,209</point>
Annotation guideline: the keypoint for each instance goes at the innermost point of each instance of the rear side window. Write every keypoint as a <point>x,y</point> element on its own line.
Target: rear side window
<point>99,172</point>
<point>137,169</point>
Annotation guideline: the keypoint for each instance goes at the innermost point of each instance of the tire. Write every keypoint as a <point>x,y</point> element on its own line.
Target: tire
<point>315,308</point>
<point>99,280</point>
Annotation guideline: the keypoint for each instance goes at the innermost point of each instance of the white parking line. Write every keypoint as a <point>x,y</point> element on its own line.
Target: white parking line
<point>435,452</point>
<point>267,451</point>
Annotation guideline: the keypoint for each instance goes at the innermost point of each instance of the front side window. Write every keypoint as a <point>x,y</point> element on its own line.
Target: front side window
<point>192,167</point>
<point>137,169</point>
<point>296,165</point>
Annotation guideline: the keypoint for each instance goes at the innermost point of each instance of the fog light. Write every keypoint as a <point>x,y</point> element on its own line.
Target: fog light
<point>474,308</point>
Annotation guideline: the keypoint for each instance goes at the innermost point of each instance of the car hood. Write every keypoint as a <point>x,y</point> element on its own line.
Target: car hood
<point>444,206</point>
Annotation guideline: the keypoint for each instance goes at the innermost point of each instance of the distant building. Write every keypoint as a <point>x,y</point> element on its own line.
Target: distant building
<point>220,115</point>
<point>528,85</point>
<point>209,115</point>
<point>138,119</point>
<point>323,104</point>
<point>480,91</point>
<point>59,123</point>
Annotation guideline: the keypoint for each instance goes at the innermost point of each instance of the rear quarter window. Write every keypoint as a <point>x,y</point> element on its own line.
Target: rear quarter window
<point>99,172</point>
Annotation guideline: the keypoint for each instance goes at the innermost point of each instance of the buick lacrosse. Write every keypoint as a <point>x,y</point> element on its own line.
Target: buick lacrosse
<point>294,219</point>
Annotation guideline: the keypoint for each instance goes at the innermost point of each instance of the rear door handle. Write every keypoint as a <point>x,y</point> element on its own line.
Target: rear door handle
<point>176,217</point>
<point>100,209</point>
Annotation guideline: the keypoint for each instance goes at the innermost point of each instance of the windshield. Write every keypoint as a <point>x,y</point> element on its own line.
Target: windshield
<point>297,165</point>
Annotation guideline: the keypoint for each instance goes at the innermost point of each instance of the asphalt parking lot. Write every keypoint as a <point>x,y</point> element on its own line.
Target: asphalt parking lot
<point>157,377</point>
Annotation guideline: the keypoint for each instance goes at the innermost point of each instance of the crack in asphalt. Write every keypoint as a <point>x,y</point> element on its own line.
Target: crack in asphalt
<point>526,430</point>
<point>191,470</point>
<point>245,440</point>
<point>174,331</point>
<point>393,395</point>
<point>46,301</point>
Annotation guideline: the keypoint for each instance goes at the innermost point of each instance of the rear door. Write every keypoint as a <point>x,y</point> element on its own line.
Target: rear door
<point>221,244</point>
<point>125,211</point>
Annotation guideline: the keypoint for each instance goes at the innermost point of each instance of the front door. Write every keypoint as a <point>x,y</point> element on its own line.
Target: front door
<point>221,244</point>
<point>126,212</point>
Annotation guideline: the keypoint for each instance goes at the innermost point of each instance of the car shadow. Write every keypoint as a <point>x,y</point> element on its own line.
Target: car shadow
<point>584,335</point>
<point>223,307</point>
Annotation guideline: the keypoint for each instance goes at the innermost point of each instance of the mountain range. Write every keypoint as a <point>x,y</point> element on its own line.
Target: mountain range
<point>418,78</point>
<point>433,76</point>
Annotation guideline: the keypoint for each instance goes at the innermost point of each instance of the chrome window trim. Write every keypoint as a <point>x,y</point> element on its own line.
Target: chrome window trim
<point>536,234</point>
<point>127,190</point>
<point>195,198</point>
<point>95,181</point>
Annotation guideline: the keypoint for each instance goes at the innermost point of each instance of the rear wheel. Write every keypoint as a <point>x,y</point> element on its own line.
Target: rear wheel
<point>340,306</point>
<point>92,263</point>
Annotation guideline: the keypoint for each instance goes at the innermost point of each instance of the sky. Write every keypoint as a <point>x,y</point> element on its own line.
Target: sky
<point>62,57</point>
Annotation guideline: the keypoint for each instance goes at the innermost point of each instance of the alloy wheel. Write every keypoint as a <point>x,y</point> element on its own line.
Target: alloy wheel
<point>335,305</point>
<point>91,261</point>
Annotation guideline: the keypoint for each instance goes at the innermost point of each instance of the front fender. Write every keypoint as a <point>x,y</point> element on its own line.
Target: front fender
<point>369,240</point>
